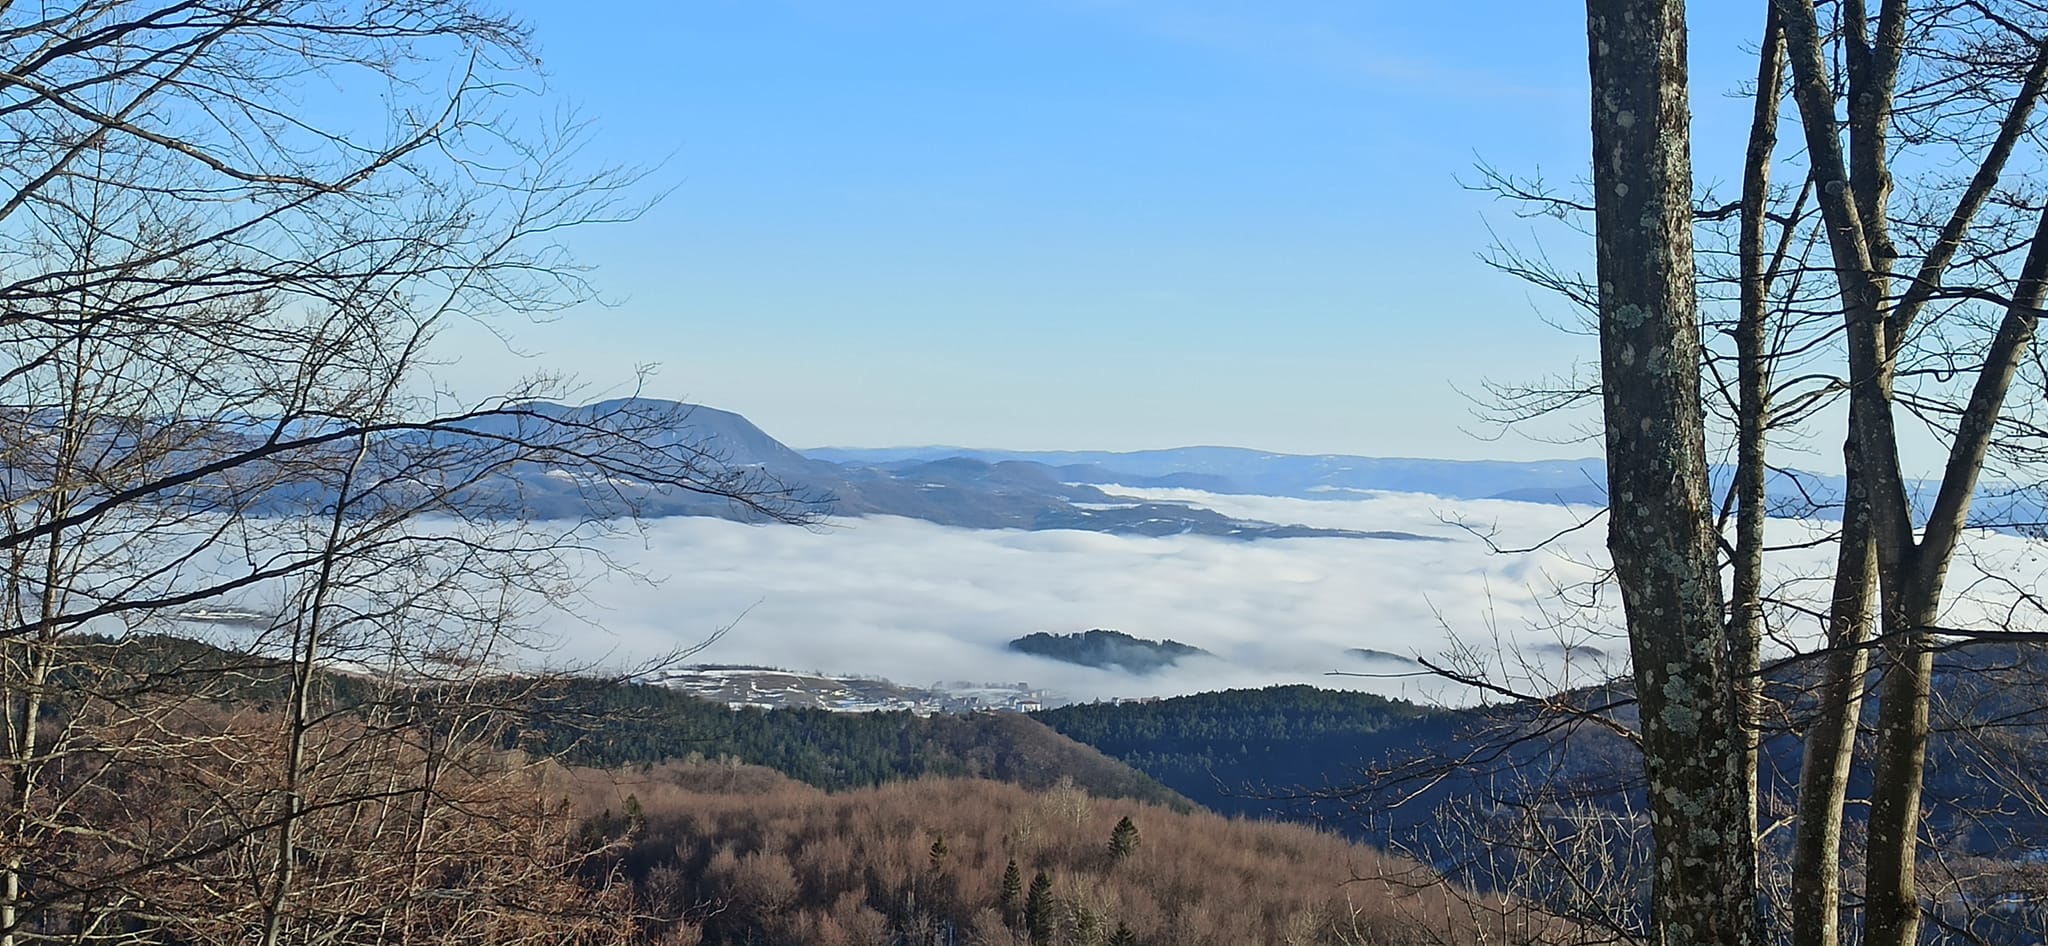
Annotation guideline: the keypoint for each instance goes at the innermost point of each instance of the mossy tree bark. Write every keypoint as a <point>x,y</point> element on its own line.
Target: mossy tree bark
<point>1661,528</point>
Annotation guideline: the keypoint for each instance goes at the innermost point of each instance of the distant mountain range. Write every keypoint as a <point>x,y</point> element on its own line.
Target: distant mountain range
<point>965,491</point>
<point>1793,494</point>
<point>1255,472</point>
<point>999,489</point>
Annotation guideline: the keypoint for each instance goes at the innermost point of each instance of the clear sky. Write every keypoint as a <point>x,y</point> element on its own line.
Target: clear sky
<point>1083,223</point>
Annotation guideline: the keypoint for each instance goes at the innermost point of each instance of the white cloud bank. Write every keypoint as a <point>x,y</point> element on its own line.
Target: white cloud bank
<point>918,603</point>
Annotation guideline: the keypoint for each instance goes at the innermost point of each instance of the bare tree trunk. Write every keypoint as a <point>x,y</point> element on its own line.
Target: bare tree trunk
<point>1870,380</point>
<point>305,675</point>
<point>1745,619</point>
<point>1891,905</point>
<point>1910,573</point>
<point>40,653</point>
<point>1831,736</point>
<point>1873,70</point>
<point>36,656</point>
<point>1891,895</point>
<point>1661,532</point>
<point>1890,891</point>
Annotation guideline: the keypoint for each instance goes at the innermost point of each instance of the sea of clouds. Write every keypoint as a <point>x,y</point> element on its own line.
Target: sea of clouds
<point>1510,588</point>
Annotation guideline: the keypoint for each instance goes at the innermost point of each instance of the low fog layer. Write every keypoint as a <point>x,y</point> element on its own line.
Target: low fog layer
<point>919,603</point>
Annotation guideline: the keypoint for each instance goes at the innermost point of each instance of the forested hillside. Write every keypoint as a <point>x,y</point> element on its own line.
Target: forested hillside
<point>1107,649</point>
<point>605,723</point>
<point>1520,794</point>
<point>737,854</point>
<point>1261,751</point>
<point>1227,750</point>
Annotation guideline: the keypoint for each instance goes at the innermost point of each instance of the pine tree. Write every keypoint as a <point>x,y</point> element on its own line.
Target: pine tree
<point>1087,929</point>
<point>1123,935</point>
<point>1123,840</point>
<point>1038,911</point>
<point>1013,890</point>
<point>939,854</point>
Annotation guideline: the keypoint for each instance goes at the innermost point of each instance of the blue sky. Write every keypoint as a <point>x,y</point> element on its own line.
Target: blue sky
<point>1082,223</point>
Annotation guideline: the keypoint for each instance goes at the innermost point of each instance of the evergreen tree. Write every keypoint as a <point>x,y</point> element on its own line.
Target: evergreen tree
<point>1123,840</point>
<point>1038,910</point>
<point>1013,890</point>
<point>1123,935</point>
<point>939,854</point>
<point>1087,929</point>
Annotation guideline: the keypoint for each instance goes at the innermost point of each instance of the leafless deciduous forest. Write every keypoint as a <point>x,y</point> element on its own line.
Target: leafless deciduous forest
<point>737,854</point>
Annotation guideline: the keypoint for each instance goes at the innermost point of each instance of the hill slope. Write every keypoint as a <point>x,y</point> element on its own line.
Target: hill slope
<point>608,724</point>
<point>742,856</point>
<point>1434,781</point>
<point>604,723</point>
<point>1225,750</point>
<point>1107,650</point>
<point>969,492</point>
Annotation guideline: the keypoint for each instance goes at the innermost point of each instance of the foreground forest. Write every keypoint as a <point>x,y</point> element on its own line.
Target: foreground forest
<point>739,854</point>
<point>617,812</point>
<point>1513,797</point>
<point>580,810</point>
<point>242,243</point>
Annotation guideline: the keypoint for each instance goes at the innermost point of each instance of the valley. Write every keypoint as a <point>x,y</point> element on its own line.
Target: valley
<point>1062,473</point>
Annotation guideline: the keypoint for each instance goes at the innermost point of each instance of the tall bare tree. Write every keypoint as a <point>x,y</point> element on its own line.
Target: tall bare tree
<point>1661,526</point>
<point>1911,300</point>
<point>1912,564</point>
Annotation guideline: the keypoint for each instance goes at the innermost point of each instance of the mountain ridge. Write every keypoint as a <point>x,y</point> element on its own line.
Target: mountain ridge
<point>963,491</point>
<point>1792,493</point>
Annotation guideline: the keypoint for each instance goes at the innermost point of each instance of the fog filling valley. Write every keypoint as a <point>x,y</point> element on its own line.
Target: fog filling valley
<point>918,603</point>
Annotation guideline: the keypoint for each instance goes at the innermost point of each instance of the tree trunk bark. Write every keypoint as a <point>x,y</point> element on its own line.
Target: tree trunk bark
<point>1831,736</point>
<point>1891,894</point>
<point>1888,889</point>
<point>1661,531</point>
<point>1753,384</point>
<point>1910,572</point>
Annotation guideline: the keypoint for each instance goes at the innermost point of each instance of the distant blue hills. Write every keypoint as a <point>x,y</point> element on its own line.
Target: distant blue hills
<point>954,490</point>
<point>1254,472</point>
<point>1025,489</point>
<point>1006,489</point>
<point>1794,494</point>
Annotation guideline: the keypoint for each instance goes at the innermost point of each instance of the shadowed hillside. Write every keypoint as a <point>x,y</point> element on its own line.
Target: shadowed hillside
<point>599,722</point>
<point>604,723</point>
<point>1109,650</point>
